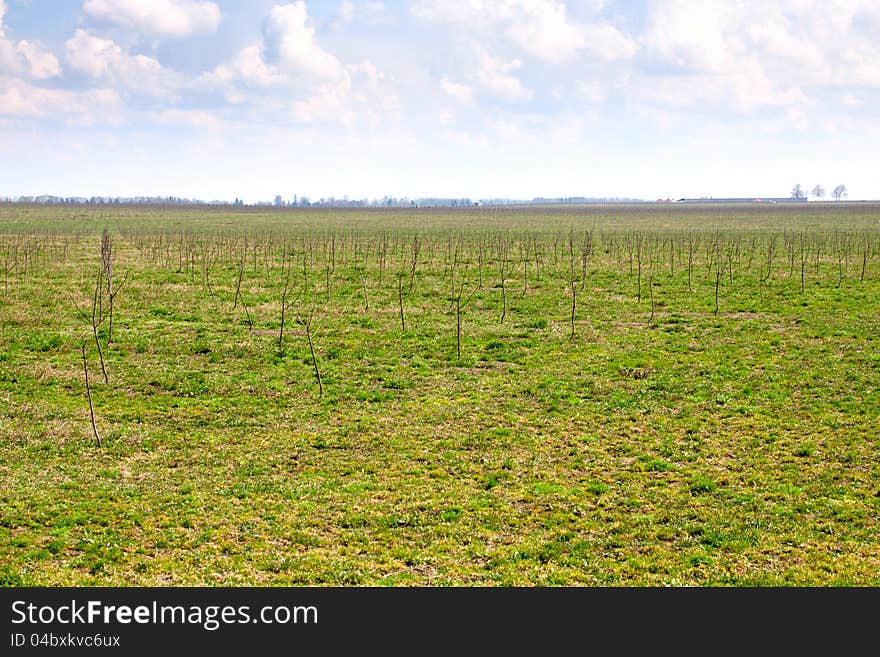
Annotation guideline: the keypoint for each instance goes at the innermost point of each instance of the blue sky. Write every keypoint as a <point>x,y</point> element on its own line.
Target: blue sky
<point>478,98</point>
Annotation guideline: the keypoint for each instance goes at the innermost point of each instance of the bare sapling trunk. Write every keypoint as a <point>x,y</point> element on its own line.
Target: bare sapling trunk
<point>803,262</point>
<point>6,275</point>
<point>97,320</point>
<point>458,326</point>
<point>414,264</point>
<point>207,264</point>
<point>382,255</point>
<point>629,245</point>
<point>89,394</point>
<point>112,289</point>
<point>400,301</point>
<point>536,252</point>
<point>327,281</point>
<point>281,329</point>
<point>366,296</point>
<point>305,263</point>
<point>587,248</point>
<point>690,261</point>
<point>730,265</point>
<point>503,272</point>
<point>112,299</point>
<point>651,288</point>
<point>480,265</point>
<point>639,261</point>
<point>238,280</point>
<point>285,305</point>
<point>239,298</point>
<point>247,315</point>
<point>770,252</point>
<point>308,327</point>
<point>571,282</point>
<point>460,300</point>
<point>458,306</point>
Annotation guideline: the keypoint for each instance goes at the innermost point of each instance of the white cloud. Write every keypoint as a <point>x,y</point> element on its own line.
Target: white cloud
<point>18,98</point>
<point>744,91</point>
<point>346,11</point>
<point>248,67</point>
<point>329,105</point>
<point>460,92</point>
<point>287,55</point>
<point>568,129</point>
<point>506,129</point>
<point>793,119</point>
<point>359,96</point>
<point>776,40</point>
<point>468,140</point>
<point>608,43</point>
<point>188,118</point>
<point>493,77</point>
<point>797,118</point>
<point>174,18</point>
<point>859,64</point>
<point>692,35</point>
<point>591,91</point>
<point>790,43</point>
<point>365,12</point>
<point>288,68</point>
<point>28,59</point>
<point>104,60</point>
<point>25,58</point>
<point>21,99</point>
<point>289,43</point>
<point>541,28</point>
<point>368,70</point>
<point>740,56</point>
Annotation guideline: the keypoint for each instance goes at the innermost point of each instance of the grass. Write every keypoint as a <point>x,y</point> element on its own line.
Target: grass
<point>694,449</point>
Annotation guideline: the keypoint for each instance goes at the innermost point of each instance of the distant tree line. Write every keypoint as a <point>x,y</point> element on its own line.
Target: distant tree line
<point>305,202</point>
<point>296,202</point>
<point>109,200</point>
<point>384,202</point>
<point>818,192</point>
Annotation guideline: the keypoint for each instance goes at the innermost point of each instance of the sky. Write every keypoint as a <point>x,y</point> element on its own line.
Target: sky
<point>439,98</point>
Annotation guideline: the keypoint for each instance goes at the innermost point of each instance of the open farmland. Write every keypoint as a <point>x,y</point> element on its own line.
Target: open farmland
<point>598,395</point>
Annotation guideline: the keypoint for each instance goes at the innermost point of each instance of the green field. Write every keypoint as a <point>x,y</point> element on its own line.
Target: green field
<point>600,395</point>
